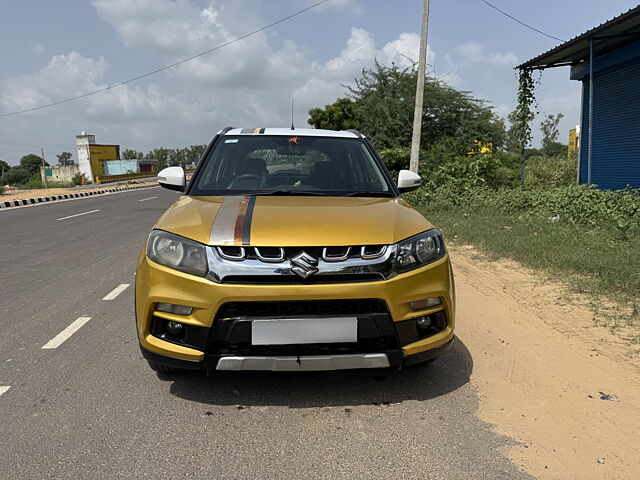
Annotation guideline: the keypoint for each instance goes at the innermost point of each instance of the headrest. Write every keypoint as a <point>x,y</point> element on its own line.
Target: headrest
<point>255,165</point>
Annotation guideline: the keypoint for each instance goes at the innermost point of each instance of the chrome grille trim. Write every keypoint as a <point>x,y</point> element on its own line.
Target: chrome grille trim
<point>335,258</point>
<point>233,258</point>
<point>371,256</point>
<point>262,258</point>
<point>221,266</point>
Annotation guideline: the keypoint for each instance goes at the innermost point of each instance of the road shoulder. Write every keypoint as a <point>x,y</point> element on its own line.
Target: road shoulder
<point>539,367</point>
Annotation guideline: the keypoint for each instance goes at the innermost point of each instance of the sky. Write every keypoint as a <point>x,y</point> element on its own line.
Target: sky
<point>54,50</point>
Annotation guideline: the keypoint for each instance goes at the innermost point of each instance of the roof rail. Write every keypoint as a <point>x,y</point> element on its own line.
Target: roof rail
<point>353,130</point>
<point>225,130</point>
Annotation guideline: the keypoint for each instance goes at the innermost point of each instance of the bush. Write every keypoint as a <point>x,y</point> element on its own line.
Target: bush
<point>1,189</point>
<point>78,179</point>
<point>34,182</point>
<point>618,211</point>
<point>17,176</point>
<point>551,171</point>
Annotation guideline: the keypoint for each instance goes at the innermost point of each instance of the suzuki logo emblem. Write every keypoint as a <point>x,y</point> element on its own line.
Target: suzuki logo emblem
<point>303,264</point>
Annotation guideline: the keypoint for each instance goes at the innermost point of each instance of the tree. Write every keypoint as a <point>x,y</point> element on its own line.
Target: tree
<point>178,156</point>
<point>512,141</point>
<point>340,115</point>
<point>17,176</point>
<point>381,104</point>
<point>194,152</point>
<point>4,168</point>
<point>128,154</point>
<point>550,133</point>
<point>65,159</point>
<point>32,164</point>
<point>161,155</point>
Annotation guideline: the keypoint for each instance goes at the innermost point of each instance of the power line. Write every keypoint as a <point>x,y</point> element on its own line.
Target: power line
<point>167,67</point>
<point>25,143</point>
<point>521,22</point>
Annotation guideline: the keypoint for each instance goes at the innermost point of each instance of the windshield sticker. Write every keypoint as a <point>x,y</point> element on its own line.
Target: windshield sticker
<point>231,140</point>
<point>295,140</point>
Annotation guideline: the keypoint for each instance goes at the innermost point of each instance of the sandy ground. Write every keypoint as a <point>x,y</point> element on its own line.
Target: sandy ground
<point>539,365</point>
<point>48,192</point>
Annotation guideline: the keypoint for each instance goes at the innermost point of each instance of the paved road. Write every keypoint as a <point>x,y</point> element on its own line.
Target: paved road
<point>91,408</point>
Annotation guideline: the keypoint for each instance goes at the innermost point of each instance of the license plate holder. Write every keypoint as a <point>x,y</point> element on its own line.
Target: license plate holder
<point>293,331</point>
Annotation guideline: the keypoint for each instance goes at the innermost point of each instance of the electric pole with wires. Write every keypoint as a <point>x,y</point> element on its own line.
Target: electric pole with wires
<point>417,114</point>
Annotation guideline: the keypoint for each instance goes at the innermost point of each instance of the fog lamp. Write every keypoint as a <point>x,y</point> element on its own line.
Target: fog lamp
<point>423,322</point>
<point>174,328</point>
<point>170,308</point>
<point>426,303</point>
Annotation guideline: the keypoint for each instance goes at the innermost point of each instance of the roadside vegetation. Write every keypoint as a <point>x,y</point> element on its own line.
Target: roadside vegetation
<point>471,169</point>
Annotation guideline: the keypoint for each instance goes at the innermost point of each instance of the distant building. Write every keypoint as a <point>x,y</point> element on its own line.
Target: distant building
<point>58,173</point>
<point>606,59</point>
<point>92,156</point>
<point>574,140</point>
<point>83,141</point>
<point>97,160</point>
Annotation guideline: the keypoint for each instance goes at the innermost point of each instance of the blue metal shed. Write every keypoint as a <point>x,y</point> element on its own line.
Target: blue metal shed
<point>607,61</point>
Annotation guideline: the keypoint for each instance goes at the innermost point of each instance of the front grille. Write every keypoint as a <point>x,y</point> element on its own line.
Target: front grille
<point>301,265</point>
<point>293,308</point>
<point>296,280</point>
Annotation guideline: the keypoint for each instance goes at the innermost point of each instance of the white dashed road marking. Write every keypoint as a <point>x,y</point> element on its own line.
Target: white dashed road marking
<point>145,199</point>
<point>59,339</point>
<point>116,291</point>
<point>4,388</point>
<point>78,214</point>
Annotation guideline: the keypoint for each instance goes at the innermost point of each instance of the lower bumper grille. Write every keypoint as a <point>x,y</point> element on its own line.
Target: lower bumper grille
<point>306,307</point>
<point>231,330</point>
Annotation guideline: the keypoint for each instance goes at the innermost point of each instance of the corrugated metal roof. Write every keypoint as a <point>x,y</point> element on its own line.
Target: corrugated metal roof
<point>577,49</point>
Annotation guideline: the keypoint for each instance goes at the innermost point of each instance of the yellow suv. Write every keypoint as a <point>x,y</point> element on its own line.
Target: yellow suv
<point>292,250</point>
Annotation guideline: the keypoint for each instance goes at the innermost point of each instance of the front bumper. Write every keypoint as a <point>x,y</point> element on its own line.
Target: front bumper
<point>303,363</point>
<point>214,347</point>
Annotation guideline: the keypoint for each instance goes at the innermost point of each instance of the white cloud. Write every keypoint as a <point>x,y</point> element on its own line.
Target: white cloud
<point>62,77</point>
<point>325,83</point>
<point>475,52</point>
<point>353,6</point>
<point>248,83</point>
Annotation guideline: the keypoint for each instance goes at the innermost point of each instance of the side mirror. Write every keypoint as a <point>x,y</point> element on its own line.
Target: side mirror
<point>172,178</point>
<point>408,181</point>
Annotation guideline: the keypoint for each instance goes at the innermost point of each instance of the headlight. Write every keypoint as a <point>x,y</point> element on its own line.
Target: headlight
<point>177,252</point>
<point>419,250</point>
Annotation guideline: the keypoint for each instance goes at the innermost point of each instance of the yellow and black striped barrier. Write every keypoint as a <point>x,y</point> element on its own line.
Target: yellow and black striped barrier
<point>124,176</point>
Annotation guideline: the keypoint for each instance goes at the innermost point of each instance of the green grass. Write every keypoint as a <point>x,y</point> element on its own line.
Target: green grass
<point>601,263</point>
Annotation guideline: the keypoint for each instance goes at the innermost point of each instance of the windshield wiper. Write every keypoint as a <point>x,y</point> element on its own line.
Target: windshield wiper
<point>367,194</point>
<point>285,193</point>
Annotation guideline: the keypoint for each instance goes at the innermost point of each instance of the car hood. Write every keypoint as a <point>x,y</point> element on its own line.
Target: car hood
<point>287,221</point>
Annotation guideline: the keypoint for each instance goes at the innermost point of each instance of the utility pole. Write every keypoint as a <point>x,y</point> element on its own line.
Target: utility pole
<point>417,114</point>
<point>45,169</point>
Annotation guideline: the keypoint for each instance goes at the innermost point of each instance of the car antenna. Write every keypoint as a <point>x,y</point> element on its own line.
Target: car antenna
<point>292,127</point>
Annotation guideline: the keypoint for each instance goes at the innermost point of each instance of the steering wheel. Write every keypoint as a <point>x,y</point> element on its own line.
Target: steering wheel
<point>245,176</point>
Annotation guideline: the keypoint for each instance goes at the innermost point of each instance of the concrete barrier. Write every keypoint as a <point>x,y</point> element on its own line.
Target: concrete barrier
<point>67,196</point>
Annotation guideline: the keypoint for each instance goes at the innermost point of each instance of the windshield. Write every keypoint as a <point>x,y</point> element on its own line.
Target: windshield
<point>290,165</point>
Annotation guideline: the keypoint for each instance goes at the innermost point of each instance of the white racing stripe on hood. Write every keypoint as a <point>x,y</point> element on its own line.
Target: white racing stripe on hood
<point>223,228</point>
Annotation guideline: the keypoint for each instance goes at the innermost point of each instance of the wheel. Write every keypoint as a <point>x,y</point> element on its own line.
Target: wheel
<point>157,367</point>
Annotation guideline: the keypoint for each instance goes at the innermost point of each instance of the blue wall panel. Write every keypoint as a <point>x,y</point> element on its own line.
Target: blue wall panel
<point>615,144</point>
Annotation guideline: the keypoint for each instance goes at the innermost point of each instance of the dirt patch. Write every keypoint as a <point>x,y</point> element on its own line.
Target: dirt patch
<point>50,192</point>
<point>567,390</point>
